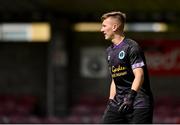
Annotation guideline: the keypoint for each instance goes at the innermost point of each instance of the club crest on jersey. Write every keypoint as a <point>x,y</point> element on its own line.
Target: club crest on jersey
<point>121,55</point>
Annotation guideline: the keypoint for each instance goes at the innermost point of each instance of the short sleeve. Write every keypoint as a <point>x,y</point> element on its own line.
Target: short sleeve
<point>136,57</point>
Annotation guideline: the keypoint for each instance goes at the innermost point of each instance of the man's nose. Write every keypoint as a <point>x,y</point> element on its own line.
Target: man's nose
<point>101,29</point>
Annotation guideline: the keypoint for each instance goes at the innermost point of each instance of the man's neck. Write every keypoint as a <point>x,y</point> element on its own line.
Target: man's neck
<point>118,39</point>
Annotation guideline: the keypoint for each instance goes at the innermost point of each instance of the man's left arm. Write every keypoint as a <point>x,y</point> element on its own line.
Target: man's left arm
<point>127,105</point>
<point>138,80</point>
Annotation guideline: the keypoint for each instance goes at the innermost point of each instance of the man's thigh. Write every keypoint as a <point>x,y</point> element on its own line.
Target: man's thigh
<point>142,116</point>
<point>113,117</point>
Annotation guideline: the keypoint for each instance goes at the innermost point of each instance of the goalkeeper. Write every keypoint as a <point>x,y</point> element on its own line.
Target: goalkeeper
<point>131,99</point>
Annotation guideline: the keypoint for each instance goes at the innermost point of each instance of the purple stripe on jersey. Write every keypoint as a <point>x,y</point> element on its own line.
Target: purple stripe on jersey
<point>137,65</point>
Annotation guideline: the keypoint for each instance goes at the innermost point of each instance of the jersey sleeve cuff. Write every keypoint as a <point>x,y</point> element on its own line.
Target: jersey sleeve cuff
<point>137,65</point>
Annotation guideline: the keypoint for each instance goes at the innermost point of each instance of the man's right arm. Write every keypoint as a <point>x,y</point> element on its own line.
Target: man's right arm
<point>112,90</point>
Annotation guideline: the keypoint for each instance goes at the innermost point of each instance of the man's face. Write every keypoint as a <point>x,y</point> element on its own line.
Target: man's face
<point>108,28</point>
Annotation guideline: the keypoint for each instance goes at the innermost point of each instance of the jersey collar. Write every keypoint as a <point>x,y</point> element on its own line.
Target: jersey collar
<point>119,45</point>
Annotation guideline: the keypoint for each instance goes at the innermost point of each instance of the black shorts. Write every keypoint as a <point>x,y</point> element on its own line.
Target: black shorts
<point>138,116</point>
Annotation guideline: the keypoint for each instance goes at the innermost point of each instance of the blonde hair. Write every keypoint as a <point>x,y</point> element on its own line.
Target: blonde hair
<point>121,17</point>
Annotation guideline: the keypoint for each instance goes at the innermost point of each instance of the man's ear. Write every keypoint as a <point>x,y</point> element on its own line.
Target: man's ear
<point>115,27</point>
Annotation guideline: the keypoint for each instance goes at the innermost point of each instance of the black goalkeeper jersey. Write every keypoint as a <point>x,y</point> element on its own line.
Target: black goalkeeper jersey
<point>122,59</point>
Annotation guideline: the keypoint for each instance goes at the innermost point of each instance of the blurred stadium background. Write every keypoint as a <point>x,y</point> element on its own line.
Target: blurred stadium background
<point>53,68</point>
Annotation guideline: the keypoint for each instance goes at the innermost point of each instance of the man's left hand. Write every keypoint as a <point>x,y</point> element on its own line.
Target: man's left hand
<point>128,101</point>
